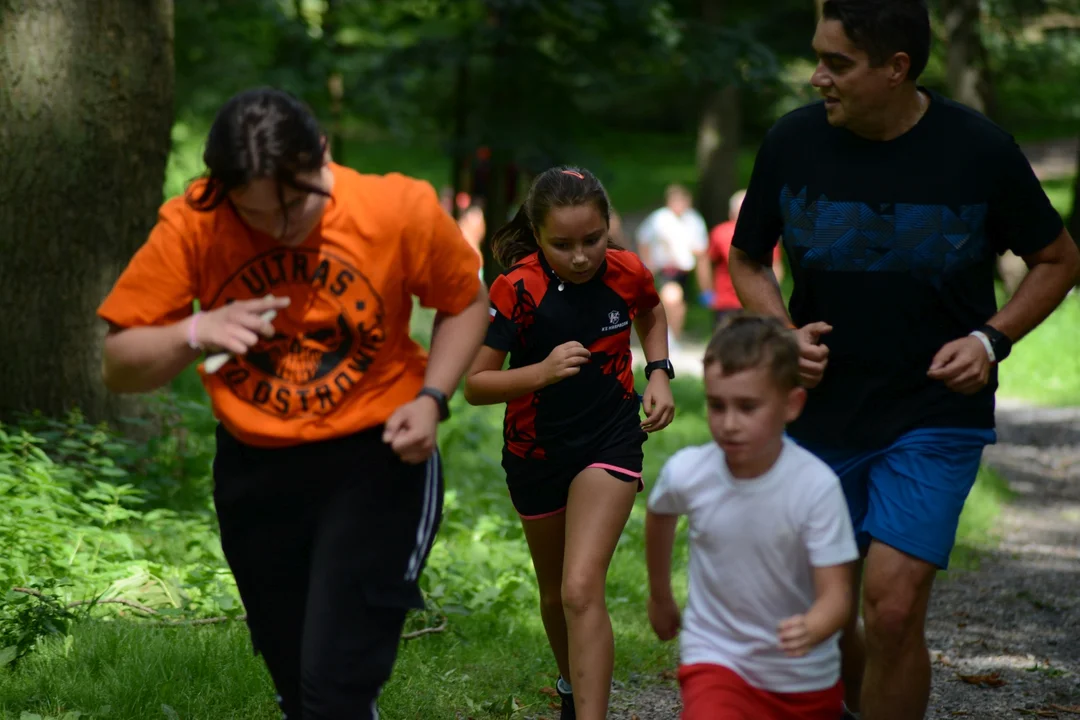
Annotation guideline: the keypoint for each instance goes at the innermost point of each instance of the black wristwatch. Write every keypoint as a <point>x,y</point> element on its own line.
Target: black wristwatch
<point>440,399</point>
<point>664,365</point>
<point>1000,344</point>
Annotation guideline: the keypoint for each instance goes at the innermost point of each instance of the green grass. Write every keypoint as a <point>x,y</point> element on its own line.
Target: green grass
<point>484,661</point>
<point>1060,193</point>
<point>635,168</point>
<point>1044,367</point>
<point>977,529</point>
<point>121,670</point>
<point>490,655</point>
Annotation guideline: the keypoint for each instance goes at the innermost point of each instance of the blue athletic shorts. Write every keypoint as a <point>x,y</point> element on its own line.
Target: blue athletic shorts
<point>909,495</point>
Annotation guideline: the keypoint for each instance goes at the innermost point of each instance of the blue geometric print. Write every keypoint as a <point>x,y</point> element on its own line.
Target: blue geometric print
<point>927,241</point>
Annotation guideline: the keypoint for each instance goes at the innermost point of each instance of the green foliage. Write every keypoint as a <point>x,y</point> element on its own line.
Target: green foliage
<point>976,529</point>
<point>1033,78</point>
<point>1044,367</point>
<point>492,656</point>
<point>26,616</point>
<point>85,524</point>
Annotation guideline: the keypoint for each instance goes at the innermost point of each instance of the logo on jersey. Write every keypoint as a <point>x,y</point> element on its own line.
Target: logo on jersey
<point>326,339</point>
<point>614,323</point>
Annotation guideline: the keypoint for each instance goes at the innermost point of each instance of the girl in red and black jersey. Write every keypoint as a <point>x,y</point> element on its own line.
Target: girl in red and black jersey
<point>573,432</point>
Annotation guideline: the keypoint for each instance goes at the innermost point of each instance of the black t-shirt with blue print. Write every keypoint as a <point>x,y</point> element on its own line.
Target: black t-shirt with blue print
<point>894,245</point>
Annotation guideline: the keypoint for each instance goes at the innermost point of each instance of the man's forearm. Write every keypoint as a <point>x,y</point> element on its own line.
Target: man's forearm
<point>1042,290</point>
<point>756,286</point>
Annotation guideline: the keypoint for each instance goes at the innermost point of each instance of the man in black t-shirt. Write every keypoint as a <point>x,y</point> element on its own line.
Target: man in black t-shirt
<point>893,203</point>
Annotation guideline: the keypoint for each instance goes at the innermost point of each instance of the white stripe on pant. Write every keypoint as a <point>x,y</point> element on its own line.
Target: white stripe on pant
<point>427,516</point>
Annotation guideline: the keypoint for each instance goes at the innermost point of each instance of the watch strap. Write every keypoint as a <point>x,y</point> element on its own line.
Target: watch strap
<point>664,365</point>
<point>440,399</point>
<point>999,341</point>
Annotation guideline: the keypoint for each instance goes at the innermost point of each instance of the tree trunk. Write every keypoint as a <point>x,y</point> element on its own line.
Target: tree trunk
<point>497,124</point>
<point>966,67</point>
<point>719,134</point>
<point>335,80</point>
<point>718,153</point>
<point>818,5</point>
<point>459,150</point>
<point>85,118</point>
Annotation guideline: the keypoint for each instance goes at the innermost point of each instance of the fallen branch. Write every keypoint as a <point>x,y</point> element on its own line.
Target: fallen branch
<point>441,627</point>
<point>198,621</point>
<point>79,603</point>
<point>426,631</point>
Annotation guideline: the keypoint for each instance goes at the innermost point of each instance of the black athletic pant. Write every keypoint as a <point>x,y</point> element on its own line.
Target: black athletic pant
<point>326,542</point>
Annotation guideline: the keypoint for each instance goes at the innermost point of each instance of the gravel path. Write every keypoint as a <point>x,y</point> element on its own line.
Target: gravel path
<point>1011,627</point>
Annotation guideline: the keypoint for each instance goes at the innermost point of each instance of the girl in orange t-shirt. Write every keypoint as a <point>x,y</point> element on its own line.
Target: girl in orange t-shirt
<point>328,485</point>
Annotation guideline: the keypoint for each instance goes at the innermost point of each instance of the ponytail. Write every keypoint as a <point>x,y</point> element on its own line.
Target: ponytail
<point>515,240</point>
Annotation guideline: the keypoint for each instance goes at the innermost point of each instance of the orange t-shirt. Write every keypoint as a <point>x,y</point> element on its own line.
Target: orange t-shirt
<point>342,359</point>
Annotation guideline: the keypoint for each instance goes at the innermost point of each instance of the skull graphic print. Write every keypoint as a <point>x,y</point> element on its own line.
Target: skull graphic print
<point>325,341</point>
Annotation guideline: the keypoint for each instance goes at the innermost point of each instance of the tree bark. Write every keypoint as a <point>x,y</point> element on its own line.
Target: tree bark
<point>497,123</point>
<point>966,63</point>
<point>335,80</point>
<point>719,135</point>
<point>718,153</point>
<point>459,150</point>
<point>819,5</point>
<point>86,93</point>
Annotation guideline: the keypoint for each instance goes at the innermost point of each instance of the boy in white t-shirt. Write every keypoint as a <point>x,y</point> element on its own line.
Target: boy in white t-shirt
<point>771,543</point>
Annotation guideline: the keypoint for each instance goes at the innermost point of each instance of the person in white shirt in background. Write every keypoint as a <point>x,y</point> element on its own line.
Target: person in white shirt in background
<point>671,241</point>
<point>772,548</point>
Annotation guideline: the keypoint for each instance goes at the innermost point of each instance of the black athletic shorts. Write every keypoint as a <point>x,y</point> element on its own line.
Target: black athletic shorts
<point>669,275</point>
<point>540,488</point>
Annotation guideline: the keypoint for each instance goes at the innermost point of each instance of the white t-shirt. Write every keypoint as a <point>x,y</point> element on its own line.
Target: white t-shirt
<point>673,240</point>
<point>753,546</point>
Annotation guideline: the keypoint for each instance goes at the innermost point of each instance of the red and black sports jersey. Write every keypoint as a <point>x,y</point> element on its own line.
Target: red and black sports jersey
<point>532,313</point>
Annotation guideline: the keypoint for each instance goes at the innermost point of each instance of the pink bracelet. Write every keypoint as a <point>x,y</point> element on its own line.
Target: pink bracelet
<point>191,341</point>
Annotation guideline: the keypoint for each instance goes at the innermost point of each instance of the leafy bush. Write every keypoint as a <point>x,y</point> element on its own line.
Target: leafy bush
<point>109,526</point>
<point>86,525</point>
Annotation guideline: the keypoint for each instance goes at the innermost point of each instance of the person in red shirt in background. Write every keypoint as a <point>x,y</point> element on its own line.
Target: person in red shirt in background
<point>722,297</point>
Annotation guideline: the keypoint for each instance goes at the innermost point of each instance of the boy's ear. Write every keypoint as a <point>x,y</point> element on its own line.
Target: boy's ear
<point>796,401</point>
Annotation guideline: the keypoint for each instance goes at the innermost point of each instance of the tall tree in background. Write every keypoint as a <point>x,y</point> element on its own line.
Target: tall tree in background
<point>85,116</point>
<point>966,63</point>
<point>335,81</point>
<point>719,132</point>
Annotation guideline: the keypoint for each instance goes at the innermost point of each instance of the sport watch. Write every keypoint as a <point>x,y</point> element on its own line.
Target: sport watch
<point>664,365</point>
<point>997,344</point>
<point>440,399</point>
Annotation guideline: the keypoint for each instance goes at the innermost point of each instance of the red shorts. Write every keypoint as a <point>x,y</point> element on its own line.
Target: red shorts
<point>713,692</point>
